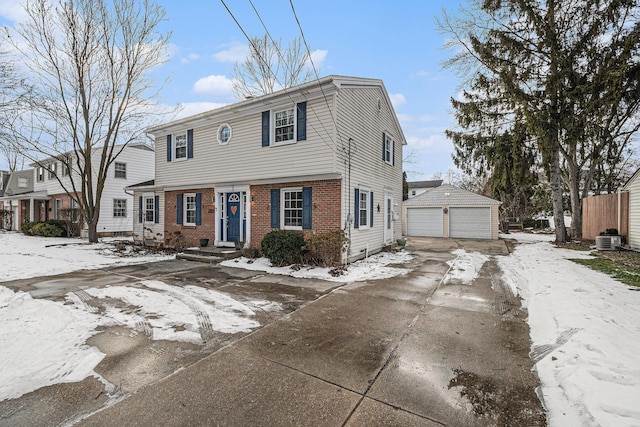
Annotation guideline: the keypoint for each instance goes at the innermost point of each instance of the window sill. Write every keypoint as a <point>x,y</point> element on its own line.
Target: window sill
<point>278,144</point>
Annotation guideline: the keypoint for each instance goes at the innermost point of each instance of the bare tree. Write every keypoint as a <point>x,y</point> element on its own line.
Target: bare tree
<point>270,67</point>
<point>89,62</point>
<point>12,93</point>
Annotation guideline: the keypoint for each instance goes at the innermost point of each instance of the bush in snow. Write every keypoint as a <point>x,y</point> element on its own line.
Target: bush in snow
<point>46,230</point>
<point>282,247</point>
<point>325,250</point>
<point>26,227</point>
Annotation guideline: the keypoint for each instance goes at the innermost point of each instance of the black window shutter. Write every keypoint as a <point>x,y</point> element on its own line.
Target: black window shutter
<point>384,152</point>
<point>356,203</point>
<point>371,211</point>
<point>169,152</point>
<point>156,209</point>
<point>301,121</point>
<point>140,209</point>
<point>275,208</point>
<point>190,144</point>
<point>307,208</point>
<point>265,128</point>
<point>179,210</point>
<point>393,152</point>
<point>198,208</point>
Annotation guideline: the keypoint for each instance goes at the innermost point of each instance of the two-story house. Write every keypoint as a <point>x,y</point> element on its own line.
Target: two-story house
<point>322,156</point>
<point>39,194</point>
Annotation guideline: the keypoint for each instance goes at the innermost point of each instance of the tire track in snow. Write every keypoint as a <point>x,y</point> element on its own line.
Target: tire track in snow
<point>539,352</point>
<point>205,328</point>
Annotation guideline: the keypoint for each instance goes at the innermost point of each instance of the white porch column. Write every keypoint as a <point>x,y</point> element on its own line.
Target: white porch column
<point>31,209</point>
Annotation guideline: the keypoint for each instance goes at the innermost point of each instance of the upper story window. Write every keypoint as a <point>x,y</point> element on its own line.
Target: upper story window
<point>23,182</point>
<point>120,170</point>
<point>292,208</point>
<point>40,174</point>
<point>284,126</point>
<point>387,148</point>
<point>224,134</point>
<point>180,146</point>
<point>53,169</point>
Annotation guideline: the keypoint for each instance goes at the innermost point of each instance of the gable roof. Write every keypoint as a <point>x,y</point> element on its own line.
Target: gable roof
<point>424,184</point>
<point>449,195</point>
<point>315,88</point>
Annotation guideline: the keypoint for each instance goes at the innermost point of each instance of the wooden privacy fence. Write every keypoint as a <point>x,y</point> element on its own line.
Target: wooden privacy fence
<point>601,212</point>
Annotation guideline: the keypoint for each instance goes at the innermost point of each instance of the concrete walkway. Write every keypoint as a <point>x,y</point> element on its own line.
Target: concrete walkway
<point>411,350</point>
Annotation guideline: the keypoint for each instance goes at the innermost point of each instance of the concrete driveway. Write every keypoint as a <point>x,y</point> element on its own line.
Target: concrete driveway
<point>411,350</point>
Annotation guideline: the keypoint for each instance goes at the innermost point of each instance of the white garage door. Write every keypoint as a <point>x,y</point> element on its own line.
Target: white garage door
<point>424,222</point>
<point>470,223</point>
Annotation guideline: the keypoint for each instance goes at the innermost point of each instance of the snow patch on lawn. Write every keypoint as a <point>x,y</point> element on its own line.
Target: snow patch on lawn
<point>465,267</point>
<point>32,256</point>
<point>585,332</point>
<point>373,268</point>
<point>43,343</point>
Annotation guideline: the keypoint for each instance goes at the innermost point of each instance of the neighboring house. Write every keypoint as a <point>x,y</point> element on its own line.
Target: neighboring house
<point>419,187</point>
<point>322,156</point>
<point>17,198</point>
<point>448,211</point>
<point>632,186</point>
<point>45,198</point>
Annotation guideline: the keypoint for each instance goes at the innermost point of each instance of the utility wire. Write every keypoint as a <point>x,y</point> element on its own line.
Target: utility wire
<point>290,70</point>
<point>270,70</point>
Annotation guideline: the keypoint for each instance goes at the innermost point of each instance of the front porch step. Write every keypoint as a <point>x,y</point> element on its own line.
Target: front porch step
<point>210,255</point>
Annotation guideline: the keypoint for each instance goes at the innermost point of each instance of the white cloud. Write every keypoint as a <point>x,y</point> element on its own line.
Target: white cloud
<point>214,85</point>
<point>190,58</point>
<point>12,10</point>
<point>233,53</point>
<point>397,99</point>
<point>192,108</point>
<point>318,56</point>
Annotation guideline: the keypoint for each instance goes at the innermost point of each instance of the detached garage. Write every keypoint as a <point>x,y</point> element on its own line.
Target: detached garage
<point>448,211</point>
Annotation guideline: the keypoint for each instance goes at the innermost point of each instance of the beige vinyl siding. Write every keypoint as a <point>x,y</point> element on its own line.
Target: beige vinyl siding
<point>634,213</point>
<point>359,118</point>
<point>244,159</point>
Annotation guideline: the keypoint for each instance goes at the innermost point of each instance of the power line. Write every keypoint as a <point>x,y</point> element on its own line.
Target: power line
<point>271,71</point>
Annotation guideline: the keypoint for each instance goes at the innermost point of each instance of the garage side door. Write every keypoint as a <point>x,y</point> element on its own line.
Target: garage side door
<point>470,223</point>
<point>424,222</point>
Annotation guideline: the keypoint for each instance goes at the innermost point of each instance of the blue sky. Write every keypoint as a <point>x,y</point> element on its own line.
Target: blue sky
<point>394,41</point>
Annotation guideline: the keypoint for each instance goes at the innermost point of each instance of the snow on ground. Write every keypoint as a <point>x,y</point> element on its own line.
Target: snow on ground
<point>465,267</point>
<point>372,268</point>
<point>31,256</point>
<point>585,332</point>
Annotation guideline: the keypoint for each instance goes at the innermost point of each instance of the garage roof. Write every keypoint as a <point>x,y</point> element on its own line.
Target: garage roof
<point>449,195</point>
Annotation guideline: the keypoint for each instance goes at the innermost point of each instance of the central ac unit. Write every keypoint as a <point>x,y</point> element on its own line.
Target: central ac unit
<point>608,243</point>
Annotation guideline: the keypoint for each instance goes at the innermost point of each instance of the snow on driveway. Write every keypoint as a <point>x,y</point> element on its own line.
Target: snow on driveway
<point>31,256</point>
<point>43,342</point>
<point>585,332</point>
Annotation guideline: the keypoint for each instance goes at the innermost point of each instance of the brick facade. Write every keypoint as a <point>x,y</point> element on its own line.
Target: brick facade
<point>190,235</point>
<point>326,201</point>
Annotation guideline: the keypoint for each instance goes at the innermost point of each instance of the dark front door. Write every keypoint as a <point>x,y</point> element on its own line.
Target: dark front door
<point>233,217</point>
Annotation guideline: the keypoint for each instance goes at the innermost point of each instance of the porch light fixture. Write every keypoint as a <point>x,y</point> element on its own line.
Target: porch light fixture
<point>378,207</point>
<point>445,210</point>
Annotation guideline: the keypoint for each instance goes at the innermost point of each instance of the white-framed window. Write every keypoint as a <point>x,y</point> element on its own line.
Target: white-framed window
<point>65,166</point>
<point>40,174</point>
<point>224,134</point>
<point>53,169</point>
<point>120,170</point>
<point>57,207</point>
<point>149,208</point>
<point>291,208</point>
<point>388,149</point>
<point>364,210</point>
<point>23,182</point>
<point>190,209</point>
<point>284,126</point>
<point>180,149</point>
<point>413,192</point>
<point>120,208</point>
